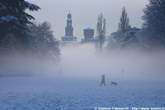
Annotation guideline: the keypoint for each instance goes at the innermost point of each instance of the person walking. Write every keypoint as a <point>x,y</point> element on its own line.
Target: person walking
<point>103,81</point>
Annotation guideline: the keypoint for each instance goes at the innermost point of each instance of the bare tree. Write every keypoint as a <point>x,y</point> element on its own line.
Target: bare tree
<point>101,30</point>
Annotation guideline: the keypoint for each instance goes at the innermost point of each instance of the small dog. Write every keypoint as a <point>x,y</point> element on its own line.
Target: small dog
<point>114,83</point>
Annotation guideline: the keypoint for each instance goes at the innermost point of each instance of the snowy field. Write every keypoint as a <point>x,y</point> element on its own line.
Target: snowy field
<point>51,94</point>
<point>75,86</point>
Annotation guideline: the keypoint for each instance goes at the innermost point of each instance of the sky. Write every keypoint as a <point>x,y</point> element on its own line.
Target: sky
<point>85,13</point>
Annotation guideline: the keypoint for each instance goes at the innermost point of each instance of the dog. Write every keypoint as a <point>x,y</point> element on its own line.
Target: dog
<point>114,83</point>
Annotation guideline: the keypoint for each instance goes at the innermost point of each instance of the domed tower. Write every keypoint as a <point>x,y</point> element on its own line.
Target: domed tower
<point>69,27</point>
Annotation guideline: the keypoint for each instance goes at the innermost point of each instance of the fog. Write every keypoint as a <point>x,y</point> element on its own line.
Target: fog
<point>83,62</point>
<point>73,83</point>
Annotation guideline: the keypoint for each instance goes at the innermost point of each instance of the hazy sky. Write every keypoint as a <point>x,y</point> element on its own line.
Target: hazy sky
<point>85,13</point>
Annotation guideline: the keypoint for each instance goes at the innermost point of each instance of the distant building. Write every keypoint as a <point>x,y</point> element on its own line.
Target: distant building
<point>88,35</point>
<point>69,30</point>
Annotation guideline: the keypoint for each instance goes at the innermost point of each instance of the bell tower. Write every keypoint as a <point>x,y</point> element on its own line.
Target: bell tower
<point>69,27</point>
<point>69,36</point>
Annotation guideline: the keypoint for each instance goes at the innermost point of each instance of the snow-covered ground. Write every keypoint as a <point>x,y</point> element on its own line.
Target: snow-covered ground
<point>75,86</point>
<point>53,94</point>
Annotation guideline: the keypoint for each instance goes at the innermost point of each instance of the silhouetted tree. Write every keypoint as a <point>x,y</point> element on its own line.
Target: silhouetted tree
<point>154,20</point>
<point>14,19</point>
<point>101,30</point>
<point>124,22</point>
<point>125,36</point>
<point>42,40</point>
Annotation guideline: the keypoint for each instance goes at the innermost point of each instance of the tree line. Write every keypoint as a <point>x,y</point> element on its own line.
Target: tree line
<point>19,33</point>
<point>151,35</point>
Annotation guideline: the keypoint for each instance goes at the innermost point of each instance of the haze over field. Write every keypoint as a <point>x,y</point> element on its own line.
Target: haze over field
<point>82,62</point>
<point>85,13</point>
<point>75,84</point>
